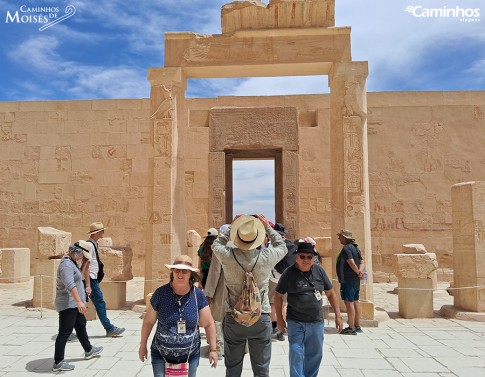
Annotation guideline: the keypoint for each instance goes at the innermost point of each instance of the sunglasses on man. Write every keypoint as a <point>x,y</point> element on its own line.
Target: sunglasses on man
<point>307,257</point>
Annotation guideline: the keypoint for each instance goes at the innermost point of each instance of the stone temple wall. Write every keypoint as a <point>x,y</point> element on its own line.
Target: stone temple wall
<point>65,164</point>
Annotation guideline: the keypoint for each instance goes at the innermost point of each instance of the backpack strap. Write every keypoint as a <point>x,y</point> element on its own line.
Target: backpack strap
<point>254,265</point>
<point>95,250</point>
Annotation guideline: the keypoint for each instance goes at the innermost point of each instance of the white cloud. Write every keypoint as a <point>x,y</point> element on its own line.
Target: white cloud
<point>253,187</point>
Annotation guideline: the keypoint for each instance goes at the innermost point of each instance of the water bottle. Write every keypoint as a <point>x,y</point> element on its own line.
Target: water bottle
<point>364,276</point>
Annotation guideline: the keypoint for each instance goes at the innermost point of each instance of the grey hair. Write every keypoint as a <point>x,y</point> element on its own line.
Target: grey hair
<point>75,249</point>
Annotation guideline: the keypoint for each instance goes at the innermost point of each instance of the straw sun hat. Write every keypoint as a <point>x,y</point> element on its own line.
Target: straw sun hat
<point>247,232</point>
<point>182,262</point>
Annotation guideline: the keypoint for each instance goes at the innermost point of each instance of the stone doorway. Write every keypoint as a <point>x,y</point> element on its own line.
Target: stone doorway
<point>252,132</point>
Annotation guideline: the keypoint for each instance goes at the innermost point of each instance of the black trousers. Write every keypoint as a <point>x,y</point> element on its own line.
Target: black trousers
<point>70,319</point>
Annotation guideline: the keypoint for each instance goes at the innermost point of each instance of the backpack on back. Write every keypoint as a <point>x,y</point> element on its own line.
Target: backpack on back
<point>247,309</point>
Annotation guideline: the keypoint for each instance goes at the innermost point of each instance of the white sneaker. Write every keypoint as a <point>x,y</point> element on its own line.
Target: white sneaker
<point>95,351</point>
<point>62,366</point>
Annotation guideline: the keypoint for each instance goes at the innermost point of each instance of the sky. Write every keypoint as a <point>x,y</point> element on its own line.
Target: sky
<point>93,49</point>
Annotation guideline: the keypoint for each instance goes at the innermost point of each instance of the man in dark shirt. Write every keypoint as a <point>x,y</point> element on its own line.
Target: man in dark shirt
<point>304,283</point>
<point>350,269</point>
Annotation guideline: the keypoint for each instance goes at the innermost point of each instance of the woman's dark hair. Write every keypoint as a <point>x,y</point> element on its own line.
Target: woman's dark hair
<point>194,277</point>
<point>206,255</point>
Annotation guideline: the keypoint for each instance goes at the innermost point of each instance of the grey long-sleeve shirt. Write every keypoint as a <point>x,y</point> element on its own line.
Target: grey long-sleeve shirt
<point>68,277</point>
<point>234,274</point>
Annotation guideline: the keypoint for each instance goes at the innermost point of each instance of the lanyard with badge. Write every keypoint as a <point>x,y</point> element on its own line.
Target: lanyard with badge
<point>181,325</point>
<point>316,292</point>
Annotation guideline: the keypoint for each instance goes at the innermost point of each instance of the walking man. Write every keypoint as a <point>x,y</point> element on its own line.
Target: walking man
<point>96,231</point>
<point>304,283</point>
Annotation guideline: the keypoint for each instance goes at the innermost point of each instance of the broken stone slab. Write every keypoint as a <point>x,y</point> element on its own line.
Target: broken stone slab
<point>414,248</point>
<point>53,243</point>
<point>117,262</point>
<point>415,266</point>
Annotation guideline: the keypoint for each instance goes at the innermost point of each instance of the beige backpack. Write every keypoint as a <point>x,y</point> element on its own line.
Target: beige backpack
<point>248,306</point>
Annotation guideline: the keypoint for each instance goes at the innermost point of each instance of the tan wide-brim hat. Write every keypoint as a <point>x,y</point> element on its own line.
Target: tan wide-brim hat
<point>84,246</point>
<point>96,227</point>
<point>247,232</point>
<point>182,262</point>
<point>346,234</point>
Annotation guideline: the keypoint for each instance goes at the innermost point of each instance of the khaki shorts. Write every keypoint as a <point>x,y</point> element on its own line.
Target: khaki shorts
<point>272,291</point>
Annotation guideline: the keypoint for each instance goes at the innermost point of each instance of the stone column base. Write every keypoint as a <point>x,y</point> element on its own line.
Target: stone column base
<point>415,298</point>
<point>450,311</point>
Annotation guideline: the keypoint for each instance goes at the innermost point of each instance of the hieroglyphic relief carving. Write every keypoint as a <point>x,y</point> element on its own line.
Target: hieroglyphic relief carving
<point>353,167</point>
<point>270,128</point>
<point>352,97</point>
<point>217,188</point>
<point>198,48</point>
<point>162,137</point>
<point>166,107</point>
<point>478,113</point>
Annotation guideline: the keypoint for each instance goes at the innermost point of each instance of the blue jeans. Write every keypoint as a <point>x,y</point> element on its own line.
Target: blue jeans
<point>98,301</point>
<point>306,347</point>
<point>158,365</point>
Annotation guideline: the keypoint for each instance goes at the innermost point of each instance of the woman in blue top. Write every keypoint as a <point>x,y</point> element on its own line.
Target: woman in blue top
<point>179,307</point>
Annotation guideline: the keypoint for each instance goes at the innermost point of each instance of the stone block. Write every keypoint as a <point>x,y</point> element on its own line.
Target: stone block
<point>45,283</point>
<point>193,243</point>
<point>14,265</point>
<point>414,266</point>
<point>327,266</point>
<point>415,297</point>
<point>413,248</point>
<point>117,263</point>
<point>324,246</point>
<point>105,242</point>
<point>53,242</point>
<point>367,310</point>
<point>114,294</point>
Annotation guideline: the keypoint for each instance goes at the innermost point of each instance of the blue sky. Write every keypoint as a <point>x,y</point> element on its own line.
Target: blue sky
<point>105,48</point>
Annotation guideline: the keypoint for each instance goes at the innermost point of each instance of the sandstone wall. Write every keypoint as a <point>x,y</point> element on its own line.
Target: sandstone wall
<point>65,164</point>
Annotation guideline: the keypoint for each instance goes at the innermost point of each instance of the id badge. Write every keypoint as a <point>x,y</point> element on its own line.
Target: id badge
<point>181,327</point>
<point>318,295</point>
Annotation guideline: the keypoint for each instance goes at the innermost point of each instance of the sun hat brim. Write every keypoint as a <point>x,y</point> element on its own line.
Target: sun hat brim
<point>180,266</point>
<point>240,244</point>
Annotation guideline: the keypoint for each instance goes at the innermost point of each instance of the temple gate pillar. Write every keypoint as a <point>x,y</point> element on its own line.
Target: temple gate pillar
<point>165,194</point>
<point>349,164</point>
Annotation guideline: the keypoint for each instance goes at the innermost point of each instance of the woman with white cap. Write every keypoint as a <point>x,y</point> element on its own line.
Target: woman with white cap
<point>178,307</point>
<point>70,302</point>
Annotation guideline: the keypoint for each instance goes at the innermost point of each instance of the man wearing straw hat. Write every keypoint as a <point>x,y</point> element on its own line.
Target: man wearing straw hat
<point>238,251</point>
<point>350,270</point>
<point>96,231</point>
